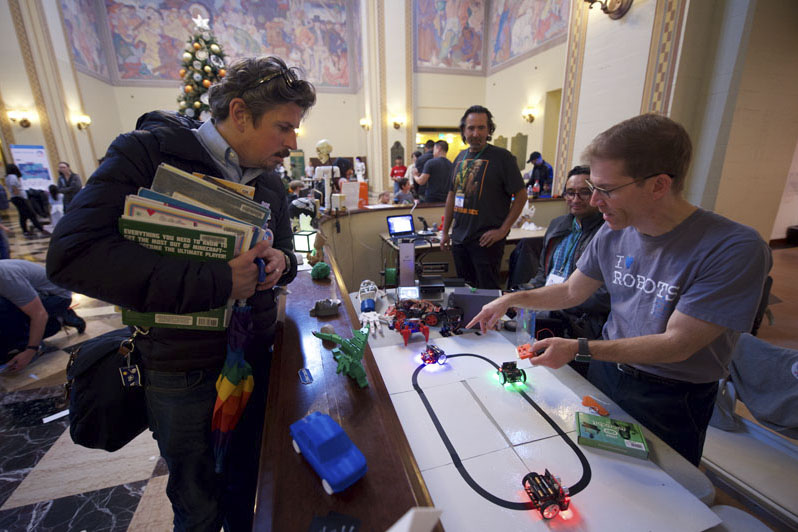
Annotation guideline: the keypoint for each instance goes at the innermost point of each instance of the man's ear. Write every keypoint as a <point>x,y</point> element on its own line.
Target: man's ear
<point>662,185</point>
<point>239,114</point>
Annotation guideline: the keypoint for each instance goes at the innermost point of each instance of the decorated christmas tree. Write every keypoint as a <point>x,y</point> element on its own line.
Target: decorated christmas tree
<point>203,65</point>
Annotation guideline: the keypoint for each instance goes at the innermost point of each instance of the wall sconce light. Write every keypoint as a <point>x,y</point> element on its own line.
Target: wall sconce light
<point>20,116</point>
<point>365,123</point>
<point>398,121</point>
<point>528,114</point>
<point>615,9</point>
<point>83,121</point>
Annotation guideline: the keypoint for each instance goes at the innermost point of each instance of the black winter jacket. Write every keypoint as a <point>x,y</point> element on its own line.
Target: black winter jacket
<point>88,255</point>
<point>590,315</point>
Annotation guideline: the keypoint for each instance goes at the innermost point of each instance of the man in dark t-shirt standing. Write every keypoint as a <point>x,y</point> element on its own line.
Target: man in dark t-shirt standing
<point>486,197</point>
<point>421,190</point>
<point>436,174</point>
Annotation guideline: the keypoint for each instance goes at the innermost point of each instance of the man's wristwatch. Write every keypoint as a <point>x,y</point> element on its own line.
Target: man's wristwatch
<point>583,355</point>
<point>287,262</point>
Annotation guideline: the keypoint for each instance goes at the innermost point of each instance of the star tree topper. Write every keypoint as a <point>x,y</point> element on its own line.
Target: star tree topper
<point>201,23</point>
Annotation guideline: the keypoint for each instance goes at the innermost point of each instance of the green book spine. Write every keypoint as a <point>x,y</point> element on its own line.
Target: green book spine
<point>611,434</point>
<point>189,243</point>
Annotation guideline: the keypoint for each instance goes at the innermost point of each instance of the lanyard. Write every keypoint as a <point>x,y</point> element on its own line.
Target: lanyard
<point>571,248</point>
<point>465,167</point>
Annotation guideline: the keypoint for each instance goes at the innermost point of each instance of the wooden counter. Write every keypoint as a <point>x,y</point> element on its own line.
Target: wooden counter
<point>289,491</point>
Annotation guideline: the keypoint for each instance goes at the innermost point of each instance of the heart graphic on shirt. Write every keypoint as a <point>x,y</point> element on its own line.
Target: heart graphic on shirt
<point>150,212</point>
<point>629,261</point>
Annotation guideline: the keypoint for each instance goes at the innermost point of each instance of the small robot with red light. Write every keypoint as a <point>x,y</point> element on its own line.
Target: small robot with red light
<point>547,493</point>
<point>433,354</point>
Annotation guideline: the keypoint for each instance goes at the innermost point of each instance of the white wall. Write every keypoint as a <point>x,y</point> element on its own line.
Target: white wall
<point>614,71</point>
<point>764,128</point>
<point>707,86</point>
<point>14,86</point>
<point>788,209</point>
<point>441,99</point>
<point>510,90</point>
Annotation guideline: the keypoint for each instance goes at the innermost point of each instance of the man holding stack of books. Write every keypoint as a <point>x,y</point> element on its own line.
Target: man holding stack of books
<point>256,109</point>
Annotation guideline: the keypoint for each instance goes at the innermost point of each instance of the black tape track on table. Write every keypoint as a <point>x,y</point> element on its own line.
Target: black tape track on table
<point>573,490</point>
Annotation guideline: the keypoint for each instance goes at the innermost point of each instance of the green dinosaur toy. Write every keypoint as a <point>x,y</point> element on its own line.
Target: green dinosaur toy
<point>349,354</point>
<point>320,271</point>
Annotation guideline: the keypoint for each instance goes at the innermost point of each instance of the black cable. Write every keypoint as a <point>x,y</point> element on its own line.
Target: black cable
<point>573,490</point>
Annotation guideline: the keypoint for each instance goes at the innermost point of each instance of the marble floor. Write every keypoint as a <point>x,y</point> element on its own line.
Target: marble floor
<point>47,483</point>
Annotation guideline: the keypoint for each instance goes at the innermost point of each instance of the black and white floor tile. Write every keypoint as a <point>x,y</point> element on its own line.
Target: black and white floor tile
<point>47,483</point>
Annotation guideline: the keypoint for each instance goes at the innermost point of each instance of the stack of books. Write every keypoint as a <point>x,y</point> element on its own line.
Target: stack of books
<point>196,217</point>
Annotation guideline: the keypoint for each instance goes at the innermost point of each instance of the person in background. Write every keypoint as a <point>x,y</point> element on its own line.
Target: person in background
<point>31,309</point>
<point>397,172</point>
<point>412,171</point>
<point>68,183</point>
<point>429,146</point>
<point>256,109</point>
<point>486,197</point>
<point>14,183</point>
<point>404,195</point>
<point>5,245</point>
<point>683,283</point>
<point>541,177</point>
<point>436,176</point>
<point>56,205</point>
<point>294,188</point>
<point>384,198</point>
<point>565,241</point>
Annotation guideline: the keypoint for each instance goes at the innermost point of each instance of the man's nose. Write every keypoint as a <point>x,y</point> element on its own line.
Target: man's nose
<point>291,140</point>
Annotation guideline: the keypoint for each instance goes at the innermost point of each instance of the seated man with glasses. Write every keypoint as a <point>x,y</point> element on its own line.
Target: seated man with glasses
<point>255,110</point>
<point>566,239</point>
<point>684,283</point>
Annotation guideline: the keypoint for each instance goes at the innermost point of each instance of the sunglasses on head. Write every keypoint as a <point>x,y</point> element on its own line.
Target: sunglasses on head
<point>289,77</point>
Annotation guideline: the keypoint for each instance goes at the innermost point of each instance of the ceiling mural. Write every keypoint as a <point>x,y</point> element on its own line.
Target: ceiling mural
<point>148,36</point>
<point>82,22</point>
<point>520,28</point>
<point>449,35</point>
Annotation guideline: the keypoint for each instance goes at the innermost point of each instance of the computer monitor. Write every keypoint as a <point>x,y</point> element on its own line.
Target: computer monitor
<point>400,225</point>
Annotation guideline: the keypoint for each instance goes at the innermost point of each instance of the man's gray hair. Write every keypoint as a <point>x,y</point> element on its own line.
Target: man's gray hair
<point>263,83</point>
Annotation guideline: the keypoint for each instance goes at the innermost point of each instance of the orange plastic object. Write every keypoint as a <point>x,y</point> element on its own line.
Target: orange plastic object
<point>525,351</point>
<point>591,403</point>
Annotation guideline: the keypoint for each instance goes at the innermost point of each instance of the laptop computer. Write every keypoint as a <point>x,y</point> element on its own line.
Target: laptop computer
<point>401,226</point>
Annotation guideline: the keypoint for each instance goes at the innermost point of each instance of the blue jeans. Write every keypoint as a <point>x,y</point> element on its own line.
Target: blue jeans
<point>15,324</point>
<point>478,265</point>
<point>678,412</point>
<point>180,409</point>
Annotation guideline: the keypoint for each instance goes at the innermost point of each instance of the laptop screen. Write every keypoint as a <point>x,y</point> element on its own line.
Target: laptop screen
<point>400,225</point>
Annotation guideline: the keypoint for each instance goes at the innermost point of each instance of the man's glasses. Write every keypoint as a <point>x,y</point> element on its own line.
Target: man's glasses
<point>606,191</point>
<point>583,193</point>
<point>289,77</point>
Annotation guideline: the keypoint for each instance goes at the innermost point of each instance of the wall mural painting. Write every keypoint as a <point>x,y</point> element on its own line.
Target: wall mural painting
<point>148,36</point>
<point>518,27</point>
<point>82,24</point>
<point>449,34</point>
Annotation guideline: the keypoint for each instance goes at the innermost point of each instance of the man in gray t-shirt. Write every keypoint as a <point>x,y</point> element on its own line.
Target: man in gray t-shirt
<point>31,309</point>
<point>683,282</point>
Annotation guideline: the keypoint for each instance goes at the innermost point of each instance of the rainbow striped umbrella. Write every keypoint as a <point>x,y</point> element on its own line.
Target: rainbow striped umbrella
<point>234,385</point>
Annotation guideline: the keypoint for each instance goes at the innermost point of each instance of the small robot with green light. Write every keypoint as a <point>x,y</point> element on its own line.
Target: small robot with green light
<point>509,373</point>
